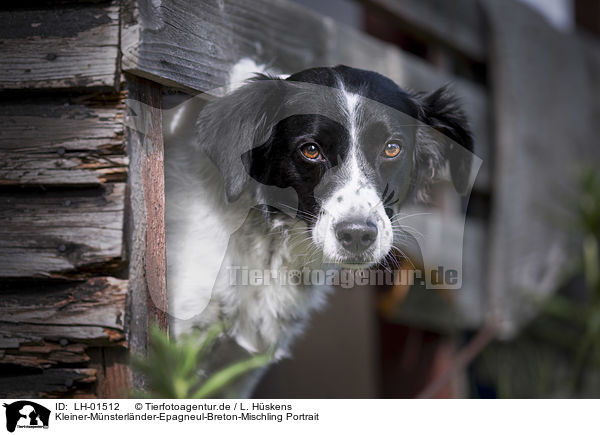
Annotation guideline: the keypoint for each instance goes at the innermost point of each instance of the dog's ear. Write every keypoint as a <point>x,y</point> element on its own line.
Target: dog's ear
<point>232,125</point>
<point>441,111</point>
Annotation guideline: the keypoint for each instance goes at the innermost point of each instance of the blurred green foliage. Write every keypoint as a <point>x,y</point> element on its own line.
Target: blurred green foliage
<point>174,369</point>
<point>558,354</point>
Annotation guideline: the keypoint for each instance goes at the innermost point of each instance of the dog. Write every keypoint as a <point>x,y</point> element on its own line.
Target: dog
<point>288,171</point>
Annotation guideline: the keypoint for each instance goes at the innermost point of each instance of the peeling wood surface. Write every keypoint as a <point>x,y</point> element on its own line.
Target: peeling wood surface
<point>59,142</point>
<point>45,326</point>
<point>50,384</point>
<point>47,330</point>
<point>71,47</point>
<point>45,355</point>
<point>96,302</point>
<point>97,335</point>
<point>194,45</point>
<point>53,233</point>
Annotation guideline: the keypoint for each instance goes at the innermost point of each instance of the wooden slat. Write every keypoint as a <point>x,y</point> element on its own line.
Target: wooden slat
<point>47,325</point>
<point>61,232</point>
<point>457,24</point>
<point>51,383</point>
<point>84,333</point>
<point>60,48</point>
<point>97,302</point>
<point>153,182</point>
<point>53,142</point>
<point>45,355</point>
<point>194,46</point>
<point>147,265</point>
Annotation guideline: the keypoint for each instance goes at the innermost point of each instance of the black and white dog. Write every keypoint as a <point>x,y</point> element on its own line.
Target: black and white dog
<point>284,172</point>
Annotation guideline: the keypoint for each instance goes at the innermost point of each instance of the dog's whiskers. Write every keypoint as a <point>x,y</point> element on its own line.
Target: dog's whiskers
<point>403,255</point>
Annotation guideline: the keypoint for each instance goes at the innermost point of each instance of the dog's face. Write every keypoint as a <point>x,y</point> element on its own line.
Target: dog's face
<point>352,147</point>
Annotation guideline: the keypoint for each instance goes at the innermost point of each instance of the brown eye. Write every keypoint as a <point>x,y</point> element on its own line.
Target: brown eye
<point>310,151</point>
<point>392,149</point>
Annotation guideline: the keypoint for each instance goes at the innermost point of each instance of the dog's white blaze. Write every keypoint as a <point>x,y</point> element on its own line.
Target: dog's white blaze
<point>356,198</point>
<point>352,102</point>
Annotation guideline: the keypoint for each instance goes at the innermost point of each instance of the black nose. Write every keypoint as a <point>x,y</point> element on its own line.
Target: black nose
<point>356,236</point>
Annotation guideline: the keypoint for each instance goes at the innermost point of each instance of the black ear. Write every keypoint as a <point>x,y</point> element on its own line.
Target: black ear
<point>441,110</point>
<point>232,125</point>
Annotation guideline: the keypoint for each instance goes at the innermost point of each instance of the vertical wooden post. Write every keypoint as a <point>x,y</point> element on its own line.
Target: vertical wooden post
<point>147,269</point>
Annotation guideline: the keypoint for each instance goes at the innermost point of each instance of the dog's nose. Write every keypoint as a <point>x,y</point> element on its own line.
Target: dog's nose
<point>356,236</point>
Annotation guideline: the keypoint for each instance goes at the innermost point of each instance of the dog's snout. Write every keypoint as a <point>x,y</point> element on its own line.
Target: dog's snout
<point>356,236</point>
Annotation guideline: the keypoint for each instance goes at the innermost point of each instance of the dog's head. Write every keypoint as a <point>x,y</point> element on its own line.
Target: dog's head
<point>352,144</point>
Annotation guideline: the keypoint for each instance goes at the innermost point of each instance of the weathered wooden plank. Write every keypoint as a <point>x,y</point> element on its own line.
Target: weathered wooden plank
<point>53,325</point>
<point>147,264</point>
<point>61,48</point>
<point>45,326</point>
<point>62,143</point>
<point>51,383</point>
<point>55,233</point>
<point>194,46</point>
<point>457,24</point>
<point>45,355</point>
<point>95,302</point>
<point>96,335</point>
<point>153,183</point>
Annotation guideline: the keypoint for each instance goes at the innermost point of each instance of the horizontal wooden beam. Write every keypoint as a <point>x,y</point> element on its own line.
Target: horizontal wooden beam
<point>62,143</point>
<point>59,233</point>
<point>194,45</point>
<point>72,47</point>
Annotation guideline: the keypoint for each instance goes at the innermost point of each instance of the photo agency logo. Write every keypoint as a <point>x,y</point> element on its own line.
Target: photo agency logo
<point>25,414</point>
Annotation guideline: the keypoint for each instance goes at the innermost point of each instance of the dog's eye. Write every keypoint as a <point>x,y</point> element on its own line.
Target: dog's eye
<point>311,151</point>
<point>392,149</point>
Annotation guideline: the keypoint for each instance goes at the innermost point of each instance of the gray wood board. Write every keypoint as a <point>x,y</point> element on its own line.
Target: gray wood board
<point>62,143</point>
<point>46,324</point>
<point>51,383</point>
<point>60,48</point>
<point>55,233</point>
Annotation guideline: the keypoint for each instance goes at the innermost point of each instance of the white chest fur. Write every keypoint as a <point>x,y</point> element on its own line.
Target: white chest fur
<point>208,242</point>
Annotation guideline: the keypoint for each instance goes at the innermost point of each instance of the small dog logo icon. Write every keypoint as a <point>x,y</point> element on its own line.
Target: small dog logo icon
<point>26,414</point>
